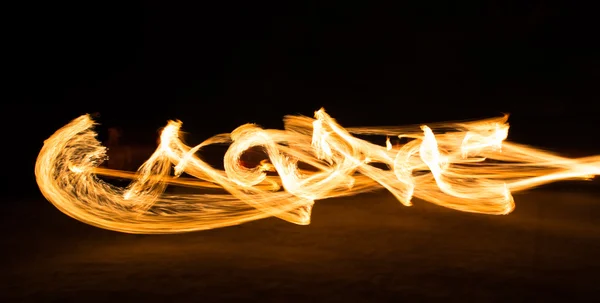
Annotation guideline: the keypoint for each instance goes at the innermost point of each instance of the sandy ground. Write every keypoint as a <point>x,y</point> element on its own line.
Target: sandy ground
<point>361,249</point>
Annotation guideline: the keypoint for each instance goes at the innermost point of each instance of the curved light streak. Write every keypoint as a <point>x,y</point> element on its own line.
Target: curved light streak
<point>466,166</point>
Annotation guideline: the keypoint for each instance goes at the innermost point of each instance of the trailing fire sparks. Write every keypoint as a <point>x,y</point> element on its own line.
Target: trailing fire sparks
<point>466,166</point>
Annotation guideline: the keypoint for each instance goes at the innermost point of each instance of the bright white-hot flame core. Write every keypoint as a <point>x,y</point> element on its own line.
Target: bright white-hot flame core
<point>467,166</point>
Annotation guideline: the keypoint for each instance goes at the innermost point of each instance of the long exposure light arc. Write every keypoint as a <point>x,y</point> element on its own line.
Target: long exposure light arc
<point>466,166</point>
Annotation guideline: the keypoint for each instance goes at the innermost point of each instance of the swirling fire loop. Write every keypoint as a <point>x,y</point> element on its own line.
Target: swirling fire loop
<point>467,166</point>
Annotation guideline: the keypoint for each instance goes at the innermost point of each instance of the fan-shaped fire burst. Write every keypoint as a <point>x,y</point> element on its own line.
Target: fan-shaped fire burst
<point>466,166</point>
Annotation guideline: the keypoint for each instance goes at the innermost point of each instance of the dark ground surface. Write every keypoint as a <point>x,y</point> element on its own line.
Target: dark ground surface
<point>361,249</point>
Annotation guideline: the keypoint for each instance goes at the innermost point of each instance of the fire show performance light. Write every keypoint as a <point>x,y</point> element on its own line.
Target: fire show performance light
<point>466,166</point>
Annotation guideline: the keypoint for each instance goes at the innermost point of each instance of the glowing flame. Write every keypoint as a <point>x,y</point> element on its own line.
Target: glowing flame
<point>463,166</point>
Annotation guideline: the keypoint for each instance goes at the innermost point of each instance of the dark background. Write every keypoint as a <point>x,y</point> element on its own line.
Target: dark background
<point>218,64</point>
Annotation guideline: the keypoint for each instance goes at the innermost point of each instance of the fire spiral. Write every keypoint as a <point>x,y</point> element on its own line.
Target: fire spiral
<point>467,166</point>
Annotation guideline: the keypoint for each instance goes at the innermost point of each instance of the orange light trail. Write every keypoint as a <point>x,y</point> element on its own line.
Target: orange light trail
<point>466,166</point>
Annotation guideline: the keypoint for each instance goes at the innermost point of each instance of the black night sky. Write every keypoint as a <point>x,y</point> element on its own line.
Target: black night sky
<point>217,66</point>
